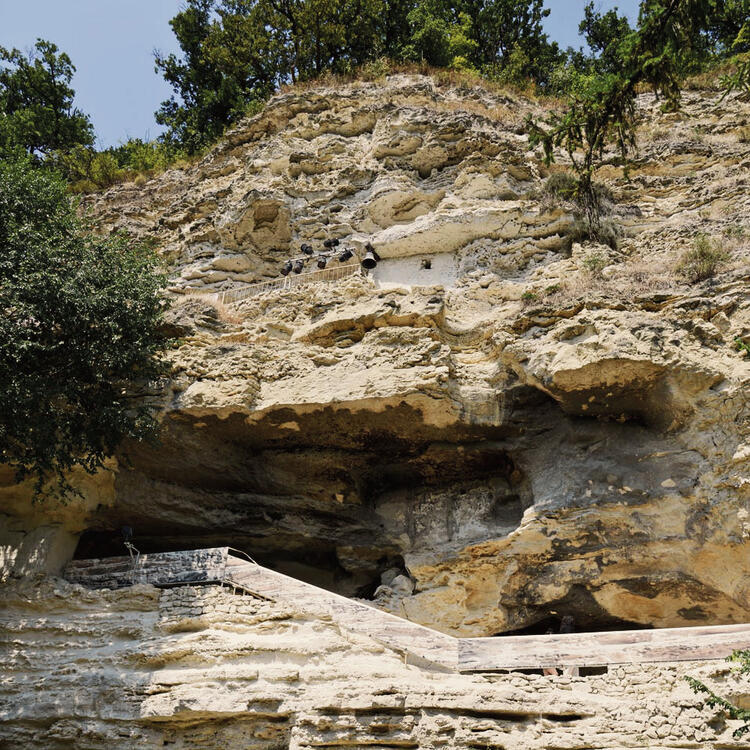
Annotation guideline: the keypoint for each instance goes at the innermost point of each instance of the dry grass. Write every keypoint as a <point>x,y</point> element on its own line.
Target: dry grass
<point>710,79</point>
<point>501,113</point>
<point>225,313</point>
<point>703,260</point>
<point>443,77</point>
<point>630,281</point>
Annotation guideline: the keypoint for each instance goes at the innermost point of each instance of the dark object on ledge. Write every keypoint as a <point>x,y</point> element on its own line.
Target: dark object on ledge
<point>287,268</point>
<point>298,266</point>
<point>307,249</point>
<point>345,255</point>
<point>371,258</point>
<point>322,260</point>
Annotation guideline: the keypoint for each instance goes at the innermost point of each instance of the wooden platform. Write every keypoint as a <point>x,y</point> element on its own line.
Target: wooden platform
<point>413,640</point>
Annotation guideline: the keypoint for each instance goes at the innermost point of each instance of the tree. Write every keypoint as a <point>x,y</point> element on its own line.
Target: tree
<point>488,35</point>
<point>603,34</point>
<point>601,106</point>
<point>36,102</point>
<point>732,32</point>
<point>440,34</point>
<point>504,25</point>
<point>208,100</point>
<point>78,332</point>
<point>237,52</point>
<point>742,659</point>
<point>729,27</point>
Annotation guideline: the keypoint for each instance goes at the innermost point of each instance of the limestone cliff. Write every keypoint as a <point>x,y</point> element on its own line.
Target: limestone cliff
<point>500,425</point>
<point>200,668</point>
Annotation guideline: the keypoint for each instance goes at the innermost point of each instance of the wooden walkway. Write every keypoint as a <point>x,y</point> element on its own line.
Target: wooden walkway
<point>221,565</point>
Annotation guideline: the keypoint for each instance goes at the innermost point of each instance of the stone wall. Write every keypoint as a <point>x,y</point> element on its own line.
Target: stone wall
<point>159,569</point>
<point>200,667</point>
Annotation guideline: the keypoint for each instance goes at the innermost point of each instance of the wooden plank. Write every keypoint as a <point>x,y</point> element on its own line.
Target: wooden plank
<point>601,649</point>
<point>395,632</point>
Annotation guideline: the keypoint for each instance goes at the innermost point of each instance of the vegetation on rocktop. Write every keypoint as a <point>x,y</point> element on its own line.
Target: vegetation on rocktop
<point>600,109</point>
<point>79,333</point>
<point>236,53</point>
<point>732,711</point>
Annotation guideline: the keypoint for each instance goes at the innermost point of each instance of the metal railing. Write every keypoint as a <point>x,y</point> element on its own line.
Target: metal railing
<point>334,273</point>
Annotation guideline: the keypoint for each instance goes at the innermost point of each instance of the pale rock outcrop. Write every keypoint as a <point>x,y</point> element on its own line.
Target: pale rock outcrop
<point>529,427</point>
<point>522,438</point>
<point>202,668</point>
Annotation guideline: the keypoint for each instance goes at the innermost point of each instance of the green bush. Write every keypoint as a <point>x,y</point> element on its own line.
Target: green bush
<point>88,170</point>
<point>595,263</point>
<point>512,71</point>
<point>702,261</point>
<point>79,332</point>
<point>741,659</point>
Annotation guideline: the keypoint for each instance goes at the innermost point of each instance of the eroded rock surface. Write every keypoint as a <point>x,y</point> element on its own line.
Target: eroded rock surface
<point>202,668</point>
<point>529,427</point>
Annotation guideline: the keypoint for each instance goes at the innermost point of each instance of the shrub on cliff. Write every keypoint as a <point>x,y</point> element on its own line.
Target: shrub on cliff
<point>79,337</point>
<point>702,261</point>
<point>742,661</point>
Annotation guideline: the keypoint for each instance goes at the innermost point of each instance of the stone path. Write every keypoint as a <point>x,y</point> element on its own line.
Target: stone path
<point>223,565</point>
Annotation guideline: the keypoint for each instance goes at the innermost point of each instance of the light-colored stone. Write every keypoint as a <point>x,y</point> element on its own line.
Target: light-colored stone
<point>519,438</point>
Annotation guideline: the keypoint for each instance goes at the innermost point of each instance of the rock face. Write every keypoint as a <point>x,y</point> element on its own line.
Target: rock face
<point>202,668</point>
<point>500,426</point>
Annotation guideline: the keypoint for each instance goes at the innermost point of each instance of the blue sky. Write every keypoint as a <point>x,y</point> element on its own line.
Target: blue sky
<point>111,43</point>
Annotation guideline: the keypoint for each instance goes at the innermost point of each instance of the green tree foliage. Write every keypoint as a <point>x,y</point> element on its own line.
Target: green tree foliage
<point>235,53</point>
<point>742,659</point>
<point>37,115</point>
<point>441,35</point>
<point>207,99</point>
<point>731,30</point>
<point>728,28</point>
<point>504,28</point>
<point>78,332</point>
<point>603,33</point>
<point>601,105</point>
<point>87,169</point>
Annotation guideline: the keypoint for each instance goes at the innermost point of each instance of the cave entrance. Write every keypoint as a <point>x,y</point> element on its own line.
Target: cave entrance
<point>577,612</point>
<point>552,623</point>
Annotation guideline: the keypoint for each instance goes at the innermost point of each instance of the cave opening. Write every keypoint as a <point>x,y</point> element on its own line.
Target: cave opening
<point>550,625</point>
<point>578,612</point>
<point>340,500</point>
